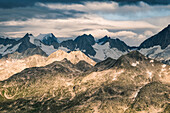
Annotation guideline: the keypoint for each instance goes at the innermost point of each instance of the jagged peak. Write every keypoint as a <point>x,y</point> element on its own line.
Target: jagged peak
<point>162,39</point>
<point>85,40</point>
<point>28,34</point>
<point>85,36</point>
<point>103,40</point>
<point>106,37</point>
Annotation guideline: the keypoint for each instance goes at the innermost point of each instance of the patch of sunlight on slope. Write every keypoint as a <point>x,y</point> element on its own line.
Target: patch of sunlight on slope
<point>12,66</point>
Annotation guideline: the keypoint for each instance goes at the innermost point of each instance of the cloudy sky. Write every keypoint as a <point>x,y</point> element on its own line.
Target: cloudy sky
<point>131,22</point>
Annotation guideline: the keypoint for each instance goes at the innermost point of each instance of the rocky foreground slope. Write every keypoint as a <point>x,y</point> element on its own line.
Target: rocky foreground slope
<point>11,66</point>
<point>132,84</point>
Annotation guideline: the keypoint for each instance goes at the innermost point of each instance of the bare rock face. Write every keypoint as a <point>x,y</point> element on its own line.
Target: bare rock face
<point>162,39</point>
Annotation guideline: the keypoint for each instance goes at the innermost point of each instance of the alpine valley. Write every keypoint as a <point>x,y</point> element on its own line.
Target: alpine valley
<point>43,75</point>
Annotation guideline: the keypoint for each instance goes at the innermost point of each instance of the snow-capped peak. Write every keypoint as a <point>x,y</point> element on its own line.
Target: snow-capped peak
<point>46,36</point>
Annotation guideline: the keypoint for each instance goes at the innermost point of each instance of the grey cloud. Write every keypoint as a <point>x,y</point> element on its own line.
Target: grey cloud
<point>112,11</point>
<point>4,28</point>
<point>107,10</point>
<point>138,31</point>
<point>36,12</point>
<point>70,22</point>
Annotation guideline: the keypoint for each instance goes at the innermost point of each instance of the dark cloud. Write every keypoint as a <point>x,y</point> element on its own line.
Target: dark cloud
<point>84,30</point>
<point>24,13</point>
<point>138,31</point>
<point>150,2</point>
<point>24,3</point>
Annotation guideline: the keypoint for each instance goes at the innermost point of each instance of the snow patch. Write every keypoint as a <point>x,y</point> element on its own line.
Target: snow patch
<point>104,51</point>
<point>3,48</point>
<point>135,64</point>
<point>163,69</point>
<point>117,73</point>
<point>114,78</point>
<point>151,51</point>
<point>11,50</point>
<point>83,50</point>
<point>151,61</point>
<point>43,36</point>
<point>164,65</point>
<point>157,53</point>
<point>149,74</point>
<point>48,49</point>
<point>32,38</point>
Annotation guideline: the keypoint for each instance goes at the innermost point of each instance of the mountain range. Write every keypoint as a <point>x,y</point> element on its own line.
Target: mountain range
<point>156,47</point>
<point>84,75</point>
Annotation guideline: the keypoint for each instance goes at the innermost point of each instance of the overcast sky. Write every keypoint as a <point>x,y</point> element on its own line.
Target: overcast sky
<point>132,23</point>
